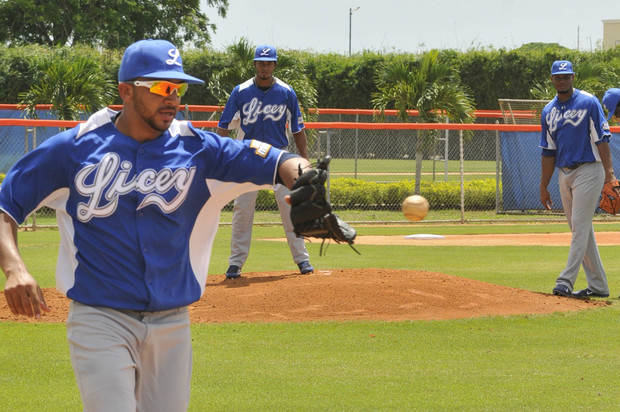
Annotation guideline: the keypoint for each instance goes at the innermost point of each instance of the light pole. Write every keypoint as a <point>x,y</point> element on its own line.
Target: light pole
<point>351,10</point>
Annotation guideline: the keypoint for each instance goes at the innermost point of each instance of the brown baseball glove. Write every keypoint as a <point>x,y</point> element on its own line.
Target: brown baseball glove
<point>610,197</point>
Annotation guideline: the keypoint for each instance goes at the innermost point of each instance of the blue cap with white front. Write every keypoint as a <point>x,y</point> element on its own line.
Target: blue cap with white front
<point>265,53</point>
<point>153,59</point>
<point>610,101</point>
<point>562,67</point>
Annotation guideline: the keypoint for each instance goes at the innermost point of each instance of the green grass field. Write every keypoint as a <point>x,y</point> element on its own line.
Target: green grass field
<point>382,166</point>
<point>557,362</point>
<point>395,216</point>
<point>393,170</point>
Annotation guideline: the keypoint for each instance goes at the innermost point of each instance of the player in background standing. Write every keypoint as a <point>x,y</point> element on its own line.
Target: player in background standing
<point>261,108</point>
<point>610,101</point>
<point>575,140</point>
<point>137,196</point>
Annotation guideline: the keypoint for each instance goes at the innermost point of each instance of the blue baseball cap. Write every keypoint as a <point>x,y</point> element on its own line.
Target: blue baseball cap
<point>610,101</point>
<point>153,59</point>
<point>266,53</point>
<point>562,67</point>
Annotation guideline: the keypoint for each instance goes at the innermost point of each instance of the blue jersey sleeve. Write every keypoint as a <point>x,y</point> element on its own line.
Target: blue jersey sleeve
<point>35,177</point>
<point>599,122</point>
<point>546,142</point>
<point>297,121</point>
<point>239,161</point>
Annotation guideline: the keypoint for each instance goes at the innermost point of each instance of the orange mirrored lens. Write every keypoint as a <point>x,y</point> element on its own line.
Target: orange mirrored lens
<point>165,89</point>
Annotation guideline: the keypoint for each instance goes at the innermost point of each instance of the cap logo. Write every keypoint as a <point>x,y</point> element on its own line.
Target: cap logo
<point>563,65</point>
<point>265,52</point>
<point>174,53</point>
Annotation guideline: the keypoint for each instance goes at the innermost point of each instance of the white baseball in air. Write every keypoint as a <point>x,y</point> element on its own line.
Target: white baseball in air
<point>415,207</point>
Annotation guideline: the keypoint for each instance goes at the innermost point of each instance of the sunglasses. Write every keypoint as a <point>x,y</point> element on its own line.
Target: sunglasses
<point>162,87</point>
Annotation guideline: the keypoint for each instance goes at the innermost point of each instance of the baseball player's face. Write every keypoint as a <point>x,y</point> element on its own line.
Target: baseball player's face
<point>155,111</point>
<point>264,70</point>
<point>563,83</point>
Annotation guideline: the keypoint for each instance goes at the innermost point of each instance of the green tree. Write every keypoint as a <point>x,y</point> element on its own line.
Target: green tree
<point>238,69</point>
<point>71,84</point>
<point>107,23</point>
<point>429,86</point>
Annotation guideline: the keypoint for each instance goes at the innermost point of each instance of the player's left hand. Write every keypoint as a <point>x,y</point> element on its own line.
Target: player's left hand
<point>311,213</point>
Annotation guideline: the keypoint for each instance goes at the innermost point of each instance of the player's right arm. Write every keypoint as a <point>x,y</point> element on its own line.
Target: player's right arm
<point>22,293</point>
<point>39,178</point>
<point>548,160</point>
<point>228,114</point>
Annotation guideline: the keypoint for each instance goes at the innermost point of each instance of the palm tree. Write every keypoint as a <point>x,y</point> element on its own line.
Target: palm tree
<point>238,69</point>
<point>71,84</point>
<point>429,86</point>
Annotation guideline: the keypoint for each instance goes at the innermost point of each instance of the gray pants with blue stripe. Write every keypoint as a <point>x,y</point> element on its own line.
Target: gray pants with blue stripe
<point>580,190</point>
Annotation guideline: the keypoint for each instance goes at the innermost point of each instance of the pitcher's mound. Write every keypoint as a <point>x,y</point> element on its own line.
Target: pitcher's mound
<point>349,294</point>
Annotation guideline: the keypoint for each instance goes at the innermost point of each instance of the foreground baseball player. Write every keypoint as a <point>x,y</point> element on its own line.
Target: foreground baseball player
<point>261,108</point>
<point>575,140</point>
<point>138,196</point>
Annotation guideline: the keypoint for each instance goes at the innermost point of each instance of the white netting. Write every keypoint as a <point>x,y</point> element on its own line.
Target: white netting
<point>521,111</point>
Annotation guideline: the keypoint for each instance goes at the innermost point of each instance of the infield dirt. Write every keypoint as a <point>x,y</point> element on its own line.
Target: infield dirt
<point>349,294</point>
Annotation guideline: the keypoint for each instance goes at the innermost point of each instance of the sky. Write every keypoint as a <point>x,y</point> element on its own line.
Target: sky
<point>411,25</point>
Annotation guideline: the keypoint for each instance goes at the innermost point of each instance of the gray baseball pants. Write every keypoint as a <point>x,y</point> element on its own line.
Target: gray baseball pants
<point>580,189</point>
<point>128,361</point>
<point>243,218</point>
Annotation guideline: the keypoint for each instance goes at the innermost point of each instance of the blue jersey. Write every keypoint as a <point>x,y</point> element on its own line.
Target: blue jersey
<point>263,114</point>
<point>137,220</point>
<point>571,129</point>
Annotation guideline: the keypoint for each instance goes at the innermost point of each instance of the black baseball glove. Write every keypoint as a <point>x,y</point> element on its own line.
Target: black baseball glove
<point>311,213</point>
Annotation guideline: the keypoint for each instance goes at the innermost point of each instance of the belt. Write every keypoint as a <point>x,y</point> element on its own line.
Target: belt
<point>573,166</point>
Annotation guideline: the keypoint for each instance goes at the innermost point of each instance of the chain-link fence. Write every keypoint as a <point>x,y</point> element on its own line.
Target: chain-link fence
<point>467,173</point>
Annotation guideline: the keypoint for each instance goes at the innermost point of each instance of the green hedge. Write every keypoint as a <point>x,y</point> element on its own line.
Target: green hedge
<point>341,81</point>
<point>348,193</point>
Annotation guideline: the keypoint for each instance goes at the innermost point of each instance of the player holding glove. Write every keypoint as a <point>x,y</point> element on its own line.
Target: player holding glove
<point>575,140</point>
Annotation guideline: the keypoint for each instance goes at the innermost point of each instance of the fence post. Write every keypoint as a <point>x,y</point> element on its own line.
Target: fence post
<point>498,160</point>
<point>418,162</point>
<point>26,138</point>
<point>340,131</point>
<point>319,153</point>
<point>446,154</point>
<point>329,151</point>
<point>462,173</point>
<point>357,120</point>
<point>32,130</point>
